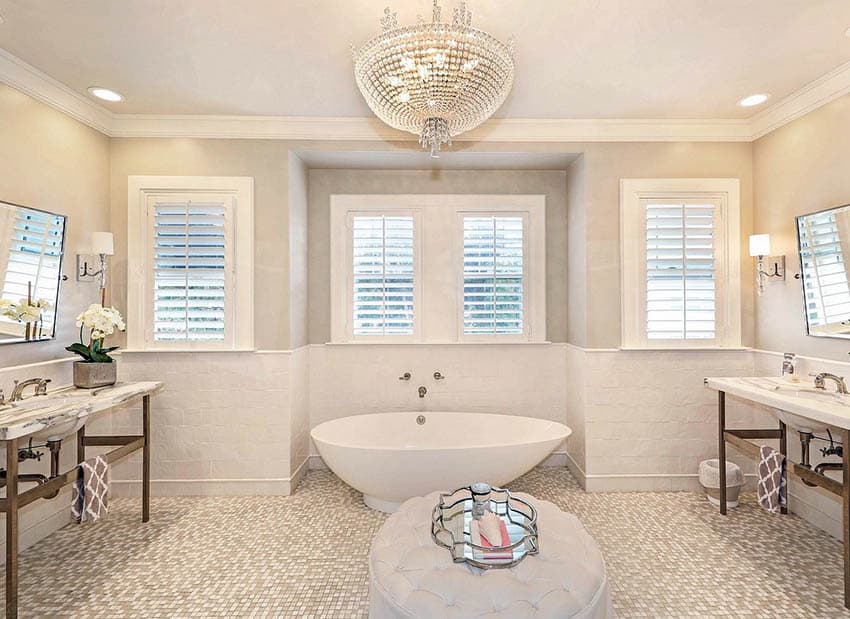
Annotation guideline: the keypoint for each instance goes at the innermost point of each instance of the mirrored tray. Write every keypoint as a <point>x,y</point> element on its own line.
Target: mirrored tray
<point>452,517</point>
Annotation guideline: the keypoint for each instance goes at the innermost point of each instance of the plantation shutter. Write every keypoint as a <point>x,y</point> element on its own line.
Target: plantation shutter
<point>493,271</point>
<point>680,271</point>
<point>192,243</point>
<point>825,269</point>
<point>383,273</point>
<point>34,258</point>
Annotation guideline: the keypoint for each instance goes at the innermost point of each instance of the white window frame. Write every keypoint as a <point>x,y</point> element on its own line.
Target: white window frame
<point>239,319</point>
<point>726,193</point>
<point>438,263</point>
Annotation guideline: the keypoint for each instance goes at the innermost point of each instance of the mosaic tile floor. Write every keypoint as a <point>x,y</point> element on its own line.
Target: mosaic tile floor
<point>668,555</point>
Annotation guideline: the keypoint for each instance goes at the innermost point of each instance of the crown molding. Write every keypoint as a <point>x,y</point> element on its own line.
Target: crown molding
<point>366,129</point>
<point>810,97</point>
<point>26,78</point>
<point>29,80</point>
<point>254,127</point>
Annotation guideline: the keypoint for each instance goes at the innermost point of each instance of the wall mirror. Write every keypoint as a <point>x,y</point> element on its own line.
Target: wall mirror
<point>31,247</point>
<point>824,242</point>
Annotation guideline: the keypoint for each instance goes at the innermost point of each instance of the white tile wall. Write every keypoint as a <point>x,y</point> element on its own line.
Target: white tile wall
<point>222,424</point>
<point>649,420</point>
<point>238,423</point>
<point>521,380</point>
<point>299,412</point>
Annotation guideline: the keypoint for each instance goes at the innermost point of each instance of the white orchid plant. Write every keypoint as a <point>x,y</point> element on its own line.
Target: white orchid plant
<point>24,311</point>
<point>101,322</point>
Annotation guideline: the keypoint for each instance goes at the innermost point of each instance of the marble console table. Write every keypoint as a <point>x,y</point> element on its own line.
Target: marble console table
<point>61,412</point>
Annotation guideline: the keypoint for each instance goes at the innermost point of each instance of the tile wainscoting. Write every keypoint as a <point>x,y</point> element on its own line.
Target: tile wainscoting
<point>237,423</point>
<point>227,423</point>
<point>643,419</point>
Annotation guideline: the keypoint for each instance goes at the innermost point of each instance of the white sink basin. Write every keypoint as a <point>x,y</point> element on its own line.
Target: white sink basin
<point>801,391</point>
<point>58,429</point>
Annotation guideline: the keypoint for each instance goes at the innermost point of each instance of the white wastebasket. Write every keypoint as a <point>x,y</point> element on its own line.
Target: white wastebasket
<point>709,477</point>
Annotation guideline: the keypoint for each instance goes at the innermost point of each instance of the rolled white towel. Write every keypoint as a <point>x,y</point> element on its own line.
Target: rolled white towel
<point>490,526</point>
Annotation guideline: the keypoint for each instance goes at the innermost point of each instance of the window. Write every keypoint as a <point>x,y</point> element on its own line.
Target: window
<point>680,270</point>
<point>34,258</point>
<point>192,244</point>
<point>383,275</point>
<point>437,268</point>
<point>493,274</point>
<point>680,263</point>
<point>825,269</point>
<point>190,251</point>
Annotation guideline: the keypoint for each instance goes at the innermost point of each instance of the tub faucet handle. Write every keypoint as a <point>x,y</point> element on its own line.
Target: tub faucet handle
<point>438,375</point>
<point>423,391</point>
<point>405,376</point>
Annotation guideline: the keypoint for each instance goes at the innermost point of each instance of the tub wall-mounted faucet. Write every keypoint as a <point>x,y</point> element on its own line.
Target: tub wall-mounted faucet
<point>423,391</point>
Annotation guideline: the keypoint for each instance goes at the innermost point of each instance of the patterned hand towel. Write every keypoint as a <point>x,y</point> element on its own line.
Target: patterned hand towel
<point>772,486</point>
<point>90,501</point>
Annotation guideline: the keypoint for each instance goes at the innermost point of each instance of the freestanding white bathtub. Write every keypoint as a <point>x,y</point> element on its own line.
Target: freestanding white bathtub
<point>390,457</point>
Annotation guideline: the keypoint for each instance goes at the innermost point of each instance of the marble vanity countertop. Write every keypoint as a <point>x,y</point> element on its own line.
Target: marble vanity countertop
<point>38,413</point>
<point>801,398</point>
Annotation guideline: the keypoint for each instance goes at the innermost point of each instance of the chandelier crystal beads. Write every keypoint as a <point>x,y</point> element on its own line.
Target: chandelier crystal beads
<point>434,79</point>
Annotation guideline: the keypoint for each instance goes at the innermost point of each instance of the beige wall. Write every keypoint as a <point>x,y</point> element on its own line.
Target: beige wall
<point>267,161</point>
<point>52,162</point>
<point>298,256</point>
<point>604,164</point>
<point>324,183</point>
<point>799,168</point>
<point>577,253</point>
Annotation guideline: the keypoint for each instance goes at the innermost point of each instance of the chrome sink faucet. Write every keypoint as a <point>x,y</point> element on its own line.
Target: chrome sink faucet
<point>820,383</point>
<point>40,385</point>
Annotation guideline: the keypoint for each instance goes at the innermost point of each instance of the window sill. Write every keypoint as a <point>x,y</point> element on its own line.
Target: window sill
<point>182,350</point>
<point>684,348</point>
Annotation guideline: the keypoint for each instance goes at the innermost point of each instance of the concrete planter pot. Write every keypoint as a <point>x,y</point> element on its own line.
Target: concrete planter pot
<point>92,375</point>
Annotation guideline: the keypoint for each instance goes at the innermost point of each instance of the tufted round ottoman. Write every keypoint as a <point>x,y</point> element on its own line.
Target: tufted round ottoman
<point>410,576</point>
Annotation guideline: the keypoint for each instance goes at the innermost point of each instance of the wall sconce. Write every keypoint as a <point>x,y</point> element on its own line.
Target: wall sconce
<point>760,248</point>
<point>102,246</point>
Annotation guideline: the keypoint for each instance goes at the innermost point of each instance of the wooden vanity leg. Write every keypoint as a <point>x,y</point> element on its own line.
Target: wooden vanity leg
<point>81,445</point>
<point>721,447</point>
<point>146,459</point>
<point>783,449</point>
<point>12,528</point>
<point>846,516</point>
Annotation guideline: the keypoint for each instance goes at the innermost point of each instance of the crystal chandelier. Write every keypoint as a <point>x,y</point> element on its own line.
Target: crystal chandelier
<point>434,79</point>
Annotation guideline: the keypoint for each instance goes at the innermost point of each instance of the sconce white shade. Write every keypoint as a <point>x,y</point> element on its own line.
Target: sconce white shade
<point>759,244</point>
<point>101,243</point>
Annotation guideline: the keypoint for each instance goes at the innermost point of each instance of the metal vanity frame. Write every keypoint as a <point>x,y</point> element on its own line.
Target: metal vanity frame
<point>738,439</point>
<point>14,501</point>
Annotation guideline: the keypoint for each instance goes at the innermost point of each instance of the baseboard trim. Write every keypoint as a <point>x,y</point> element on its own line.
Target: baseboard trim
<point>281,486</point>
<point>647,482</point>
<point>298,476</point>
<point>577,471</point>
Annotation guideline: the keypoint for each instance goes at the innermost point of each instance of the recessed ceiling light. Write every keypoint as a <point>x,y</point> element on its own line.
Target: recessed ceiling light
<point>753,100</point>
<point>105,94</point>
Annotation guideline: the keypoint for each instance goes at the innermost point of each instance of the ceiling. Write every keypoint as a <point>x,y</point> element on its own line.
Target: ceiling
<point>591,59</point>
